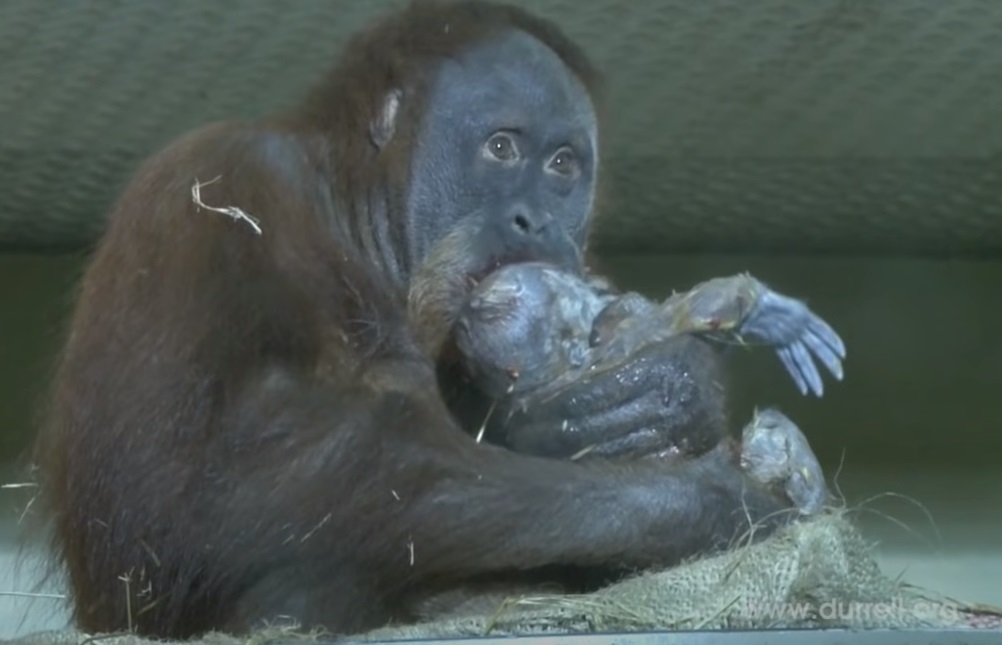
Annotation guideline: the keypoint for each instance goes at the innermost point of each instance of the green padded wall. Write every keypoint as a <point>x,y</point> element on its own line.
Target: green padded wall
<point>762,125</point>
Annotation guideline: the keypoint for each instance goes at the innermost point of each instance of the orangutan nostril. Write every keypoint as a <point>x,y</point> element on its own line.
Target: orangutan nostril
<point>521,224</point>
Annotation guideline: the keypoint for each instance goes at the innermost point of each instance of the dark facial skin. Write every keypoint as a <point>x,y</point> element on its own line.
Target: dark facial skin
<point>524,159</point>
<point>515,185</point>
<point>249,424</point>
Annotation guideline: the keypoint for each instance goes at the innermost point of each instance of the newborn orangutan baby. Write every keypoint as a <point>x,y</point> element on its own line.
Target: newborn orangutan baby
<point>531,325</point>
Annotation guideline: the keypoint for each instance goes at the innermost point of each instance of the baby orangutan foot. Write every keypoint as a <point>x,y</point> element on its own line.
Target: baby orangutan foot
<point>776,453</point>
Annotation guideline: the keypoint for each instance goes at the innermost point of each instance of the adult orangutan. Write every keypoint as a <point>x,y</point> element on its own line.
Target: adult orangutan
<point>250,421</point>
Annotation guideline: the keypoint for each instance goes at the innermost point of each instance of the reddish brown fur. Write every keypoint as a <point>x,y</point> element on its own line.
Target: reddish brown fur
<point>245,426</point>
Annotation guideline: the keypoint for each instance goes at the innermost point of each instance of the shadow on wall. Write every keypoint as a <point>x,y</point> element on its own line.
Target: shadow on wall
<point>36,292</point>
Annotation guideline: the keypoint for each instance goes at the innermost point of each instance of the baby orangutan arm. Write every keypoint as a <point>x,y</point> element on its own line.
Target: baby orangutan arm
<point>735,305</point>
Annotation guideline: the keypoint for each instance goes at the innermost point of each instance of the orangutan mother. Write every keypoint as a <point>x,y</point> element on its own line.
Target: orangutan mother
<point>247,420</point>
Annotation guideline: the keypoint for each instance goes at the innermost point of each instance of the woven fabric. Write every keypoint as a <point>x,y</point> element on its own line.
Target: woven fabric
<point>814,574</point>
<point>832,125</point>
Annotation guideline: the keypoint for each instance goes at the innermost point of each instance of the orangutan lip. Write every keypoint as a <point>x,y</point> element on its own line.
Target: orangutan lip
<point>476,277</point>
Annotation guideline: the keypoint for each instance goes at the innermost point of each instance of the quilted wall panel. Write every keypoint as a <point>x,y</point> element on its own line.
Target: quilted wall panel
<point>757,125</point>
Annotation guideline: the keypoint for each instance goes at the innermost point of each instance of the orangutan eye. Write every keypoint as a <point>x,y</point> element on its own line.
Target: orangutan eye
<point>563,163</point>
<point>502,147</point>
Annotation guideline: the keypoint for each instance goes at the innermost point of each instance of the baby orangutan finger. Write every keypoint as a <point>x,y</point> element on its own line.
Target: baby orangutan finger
<point>827,336</point>
<point>789,361</point>
<point>808,369</point>
<point>825,353</point>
